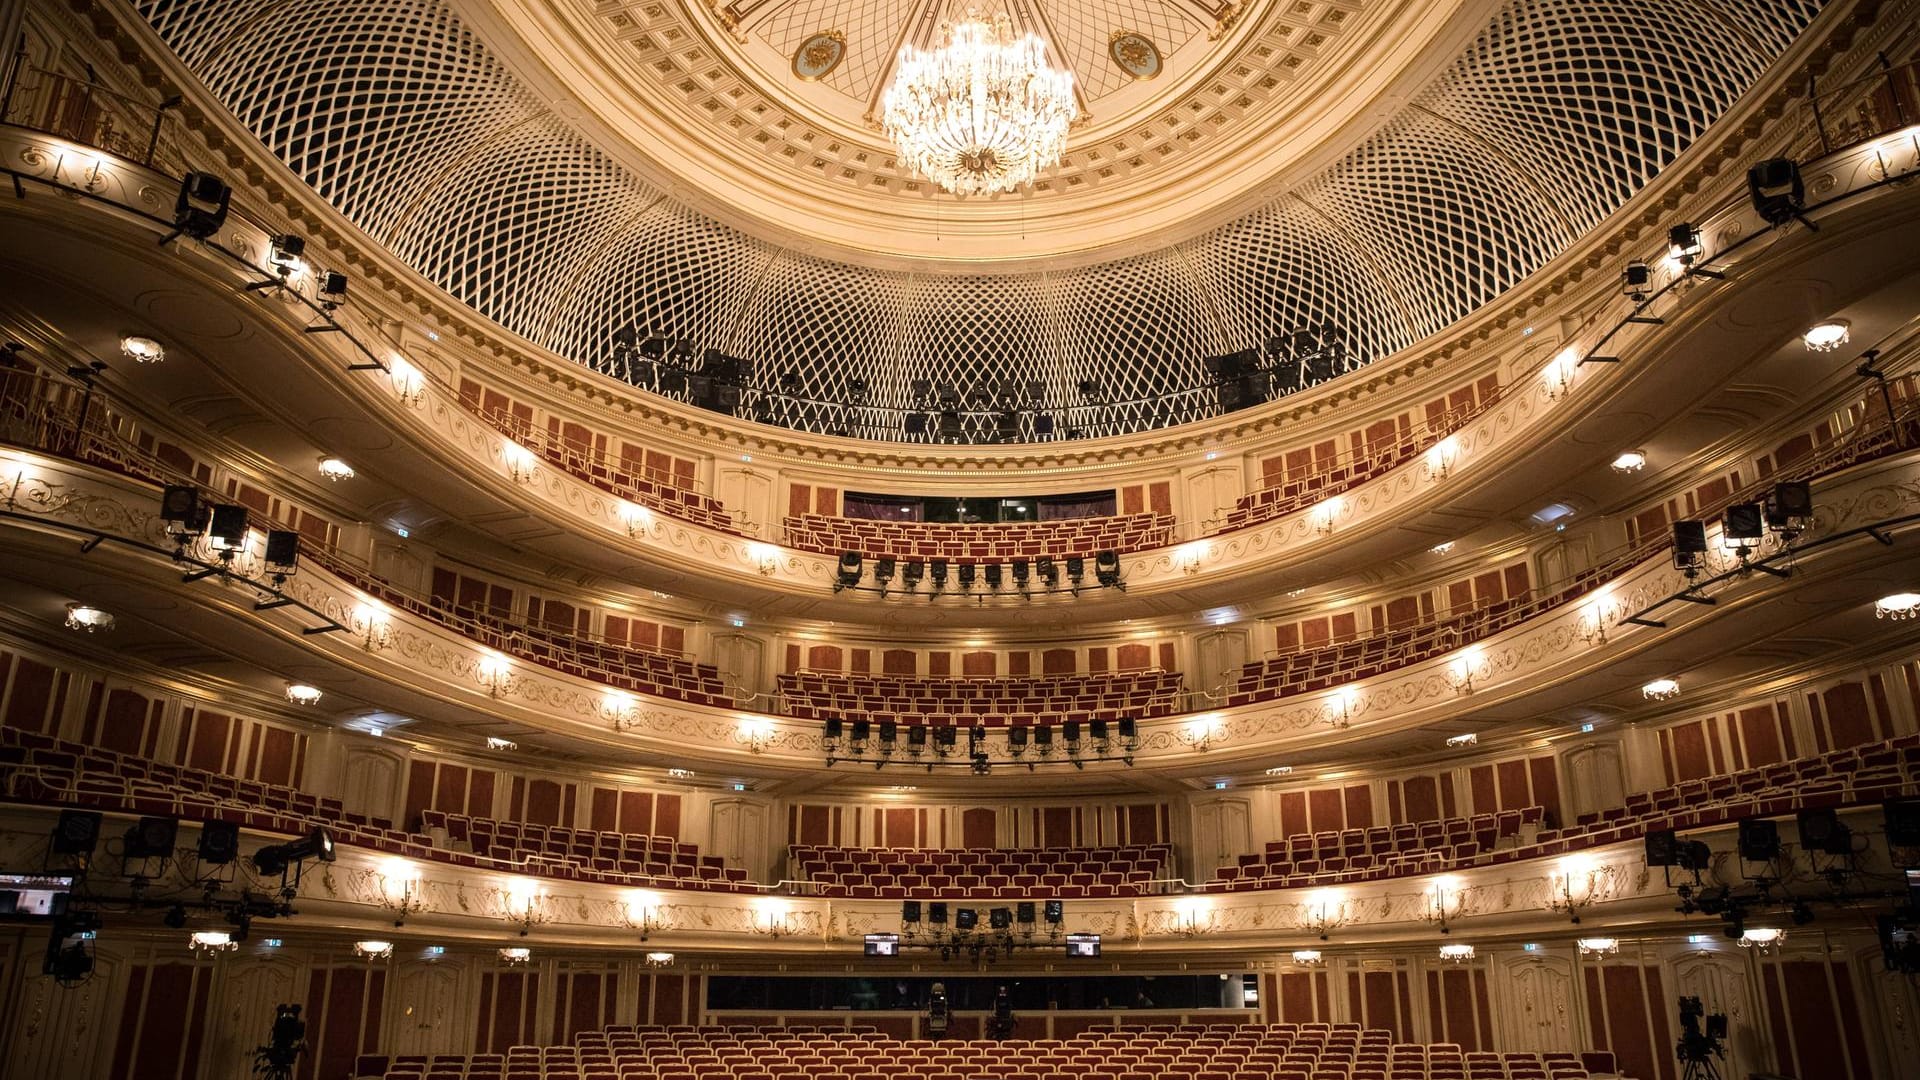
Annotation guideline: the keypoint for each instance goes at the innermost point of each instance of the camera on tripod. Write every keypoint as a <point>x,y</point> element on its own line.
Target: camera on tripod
<point>1700,1042</point>
<point>938,1013</point>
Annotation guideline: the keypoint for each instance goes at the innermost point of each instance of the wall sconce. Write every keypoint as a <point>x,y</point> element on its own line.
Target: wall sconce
<point>1341,706</point>
<point>401,889</point>
<point>1323,913</point>
<point>371,624</point>
<point>515,956</point>
<point>1441,456</point>
<point>1601,612</point>
<point>1557,377</point>
<point>1575,885</point>
<point>1456,954</point>
<point>495,673</point>
<point>1471,664</point>
<point>1193,917</point>
<point>1324,513</point>
<point>1190,555</point>
<point>619,708</point>
<point>211,942</point>
<point>765,557</point>
<point>409,385</point>
<point>373,950</point>
<point>1598,946</point>
<point>755,732</point>
<point>1201,731</point>
<point>522,902</point>
<point>643,912</point>
<point>1308,958</point>
<point>520,462</point>
<point>1443,904</point>
<point>635,517</point>
<point>772,921</point>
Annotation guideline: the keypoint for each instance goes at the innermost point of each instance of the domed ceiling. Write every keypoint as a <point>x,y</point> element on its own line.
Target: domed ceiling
<point>592,175</point>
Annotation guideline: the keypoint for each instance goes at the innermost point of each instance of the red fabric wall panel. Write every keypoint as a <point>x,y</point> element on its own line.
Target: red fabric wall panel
<point>1826,1040</point>
<point>1514,790</point>
<point>1056,826</point>
<point>1760,737</point>
<point>1480,782</point>
<point>543,802</point>
<point>1422,798</point>
<point>583,990</point>
<point>813,825</point>
<point>669,999</point>
<point>1143,824</point>
<point>1325,810</point>
<point>666,816</point>
<point>978,663</point>
<point>1626,1004</point>
<point>480,793</point>
<point>1546,786</point>
<point>603,812</point>
<point>1134,657</point>
<point>276,757</point>
<point>897,662</point>
<point>636,814</point>
<point>1293,813</point>
<point>419,790</point>
<point>899,828</point>
<point>1302,994</point>
<point>209,747</point>
<point>123,722</point>
<point>978,827</point>
<point>1849,721</point>
<point>1057,662</point>
<point>1690,752</point>
<point>162,1023</point>
<point>450,792</point>
<point>31,693</point>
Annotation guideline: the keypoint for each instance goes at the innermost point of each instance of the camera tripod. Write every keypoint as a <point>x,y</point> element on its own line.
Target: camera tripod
<point>1698,1068</point>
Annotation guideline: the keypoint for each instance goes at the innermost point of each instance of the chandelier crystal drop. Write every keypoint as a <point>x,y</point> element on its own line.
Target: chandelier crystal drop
<point>982,115</point>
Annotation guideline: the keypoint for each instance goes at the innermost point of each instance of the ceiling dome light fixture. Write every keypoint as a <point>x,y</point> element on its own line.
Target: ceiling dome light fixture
<point>1660,689</point>
<point>335,469</point>
<point>208,942</point>
<point>302,694</point>
<point>145,350</point>
<point>1456,954</point>
<point>1598,946</point>
<point>1764,938</point>
<point>371,950</point>
<point>1631,461</point>
<point>89,619</point>
<point>982,115</point>
<point>1901,605</point>
<point>1308,958</point>
<point>1827,336</point>
<point>659,959</point>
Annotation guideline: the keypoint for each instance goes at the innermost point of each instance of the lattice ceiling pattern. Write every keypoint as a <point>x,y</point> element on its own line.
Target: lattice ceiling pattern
<point>1558,112</point>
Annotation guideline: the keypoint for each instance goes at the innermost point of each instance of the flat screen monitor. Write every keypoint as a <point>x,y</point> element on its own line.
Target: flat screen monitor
<point>33,896</point>
<point>1913,887</point>
<point>1083,945</point>
<point>883,944</point>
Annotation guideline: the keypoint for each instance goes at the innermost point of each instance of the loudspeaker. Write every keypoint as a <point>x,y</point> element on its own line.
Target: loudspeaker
<point>76,832</point>
<point>219,843</point>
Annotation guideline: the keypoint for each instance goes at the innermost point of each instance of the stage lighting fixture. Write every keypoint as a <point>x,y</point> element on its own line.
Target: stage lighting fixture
<point>883,572</point>
<point>995,575</point>
<point>1636,281</point>
<point>916,736</point>
<point>276,858</point>
<point>862,730</point>
<point>1076,570</point>
<point>1097,730</point>
<point>1683,243</point>
<point>332,289</point>
<point>1742,526</point>
<point>1017,738</point>
<point>835,729</point>
<point>219,843</point>
<point>1790,506</point>
<point>911,573</point>
<point>1055,912</point>
<point>1106,568</point>
<point>1022,573</point>
<point>916,423</point>
<point>150,838</point>
<point>1903,822</point>
<point>201,209</point>
<point>937,913</point>
<point>1000,918</point>
<point>1759,840</point>
<point>1822,830</point>
<point>889,733</point>
<point>283,552</point>
<point>966,918</point>
<point>952,429</point>
<point>76,832</point>
<point>909,911</point>
<point>1800,913</point>
<point>175,918</point>
<point>937,573</point>
<point>1129,728</point>
<point>284,252</point>
<point>849,573</point>
<point>1043,738</point>
<point>968,572</point>
<point>1042,425</point>
<point>183,510</point>
<point>1779,193</point>
<point>1023,913</point>
<point>1689,545</point>
<point>946,736</point>
<point>1070,733</point>
<point>1048,570</point>
<point>228,532</point>
<point>1663,848</point>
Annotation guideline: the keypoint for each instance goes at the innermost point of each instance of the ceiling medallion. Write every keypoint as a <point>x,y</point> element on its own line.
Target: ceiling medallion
<point>818,54</point>
<point>982,115</point>
<point>1135,54</point>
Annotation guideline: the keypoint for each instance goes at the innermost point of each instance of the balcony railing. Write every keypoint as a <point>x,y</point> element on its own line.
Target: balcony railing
<point>88,114</point>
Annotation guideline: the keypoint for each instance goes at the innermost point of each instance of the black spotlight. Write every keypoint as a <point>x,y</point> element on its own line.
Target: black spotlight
<point>228,532</point>
<point>909,911</point>
<point>937,573</point>
<point>937,913</point>
<point>219,843</point>
<point>1017,738</point>
<point>916,423</point>
<point>1903,822</point>
<point>968,573</point>
<point>1043,738</point>
<point>283,552</point>
<point>1070,732</point>
<point>862,730</point>
<point>836,727</point>
<point>332,289</point>
<point>946,735</point>
<point>1822,830</point>
<point>202,206</point>
<point>911,573</point>
<point>1743,525</point>
<point>275,859</point>
<point>150,838</point>
<point>1759,840</point>
<point>1076,570</point>
<point>1663,848</point>
<point>1695,855</point>
<point>1056,912</point>
<point>889,733</point>
<point>284,252</point>
<point>1000,918</point>
<point>883,572</point>
<point>1689,545</point>
<point>1106,568</point>
<point>1023,913</point>
<point>1683,243</point>
<point>1048,571</point>
<point>1779,193</point>
<point>1636,281</point>
<point>76,833</point>
<point>966,918</point>
<point>995,575</point>
<point>1129,728</point>
<point>916,737</point>
<point>183,510</point>
<point>849,573</point>
<point>1790,506</point>
<point>176,917</point>
<point>1022,573</point>
<point>1097,730</point>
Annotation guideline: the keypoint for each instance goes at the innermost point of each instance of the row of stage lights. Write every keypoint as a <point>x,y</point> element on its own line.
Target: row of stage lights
<point>991,577</point>
<point>880,743</point>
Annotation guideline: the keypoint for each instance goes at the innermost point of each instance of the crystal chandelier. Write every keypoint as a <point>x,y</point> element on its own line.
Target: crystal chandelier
<point>982,115</point>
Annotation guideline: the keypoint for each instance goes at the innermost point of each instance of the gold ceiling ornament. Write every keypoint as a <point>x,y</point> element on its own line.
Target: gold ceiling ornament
<point>818,54</point>
<point>1136,54</point>
<point>984,113</point>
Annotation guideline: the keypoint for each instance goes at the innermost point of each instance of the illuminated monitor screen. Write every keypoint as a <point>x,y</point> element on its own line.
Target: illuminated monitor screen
<point>1083,944</point>
<point>883,944</point>
<point>33,896</point>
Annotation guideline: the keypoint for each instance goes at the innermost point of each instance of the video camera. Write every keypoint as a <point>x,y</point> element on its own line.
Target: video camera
<point>1700,1042</point>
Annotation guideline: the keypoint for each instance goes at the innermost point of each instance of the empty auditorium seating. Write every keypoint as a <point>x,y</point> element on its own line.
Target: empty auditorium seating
<point>586,853</point>
<point>651,488</point>
<point>1314,1051</point>
<point>1854,776</point>
<point>982,873</point>
<point>991,701</point>
<point>1066,538</point>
